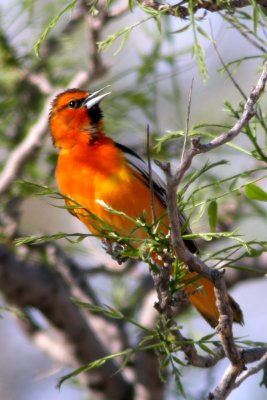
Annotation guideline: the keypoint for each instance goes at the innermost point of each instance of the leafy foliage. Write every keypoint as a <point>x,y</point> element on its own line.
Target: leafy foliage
<point>52,24</point>
<point>149,90</point>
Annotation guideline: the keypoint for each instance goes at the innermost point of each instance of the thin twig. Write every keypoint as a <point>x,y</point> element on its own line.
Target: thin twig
<point>252,371</point>
<point>237,86</point>
<point>244,30</point>
<point>187,119</point>
<point>194,263</point>
<point>248,113</point>
<point>239,89</point>
<point>96,65</point>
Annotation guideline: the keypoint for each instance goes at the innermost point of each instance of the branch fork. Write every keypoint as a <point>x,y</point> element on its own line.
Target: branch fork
<point>194,263</point>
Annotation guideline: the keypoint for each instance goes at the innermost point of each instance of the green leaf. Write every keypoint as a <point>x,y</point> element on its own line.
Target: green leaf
<point>105,44</point>
<point>213,215</point>
<point>205,34</point>
<point>110,209</point>
<point>205,348</point>
<point>95,364</point>
<point>185,28</point>
<point>29,5</point>
<point>178,361</point>
<point>158,22</point>
<point>199,52</point>
<point>162,140</point>
<point>203,170</point>
<point>254,192</point>
<point>207,337</point>
<point>214,235</point>
<point>85,368</point>
<point>256,17</point>
<point>31,240</point>
<point>51,25</point>
<point>123,42</point>
<point>106,310</point>
<point>149,10</point>
<point>131,4</point>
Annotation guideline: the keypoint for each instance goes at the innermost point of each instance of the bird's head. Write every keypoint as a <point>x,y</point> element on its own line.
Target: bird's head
<point>75,117</point>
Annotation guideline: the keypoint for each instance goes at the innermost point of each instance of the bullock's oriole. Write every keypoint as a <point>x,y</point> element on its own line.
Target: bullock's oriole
<point>92,167</point>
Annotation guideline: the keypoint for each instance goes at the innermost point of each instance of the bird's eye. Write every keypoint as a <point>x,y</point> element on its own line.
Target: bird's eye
<point>73,104</point>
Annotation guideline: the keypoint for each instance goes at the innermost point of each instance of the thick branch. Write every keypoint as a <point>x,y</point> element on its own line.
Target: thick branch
<point>96,68</point>
<point>252,371</point>
<point>38,286</point>
<point>32,142</point>
<point>224,328</point>
<point>178,10</point>
<point>167,306</point>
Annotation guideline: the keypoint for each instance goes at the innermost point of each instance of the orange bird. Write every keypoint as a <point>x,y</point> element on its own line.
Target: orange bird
<point>93,169</point>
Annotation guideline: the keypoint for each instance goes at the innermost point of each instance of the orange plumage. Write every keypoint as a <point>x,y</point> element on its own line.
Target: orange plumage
<point>93,168</point>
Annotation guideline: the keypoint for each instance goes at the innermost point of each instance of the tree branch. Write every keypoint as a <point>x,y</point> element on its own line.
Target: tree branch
<point>252,371</point>
<point>181,11</point>
<point>25,284</point>
<point>224,328</point>
<point>33,141</point>
<point>96,68</point>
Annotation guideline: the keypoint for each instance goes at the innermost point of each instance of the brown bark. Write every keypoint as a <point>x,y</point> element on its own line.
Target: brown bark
<point>25,284</point>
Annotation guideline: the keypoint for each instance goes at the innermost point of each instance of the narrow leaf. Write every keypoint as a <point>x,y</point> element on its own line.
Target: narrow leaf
<point>256,16</point>
<point>199,52</point>
<point>123,42</point>
<point>131,4</point>
<point>254,192</point>
<point>51,25</point>
<point>95,364</point>
<point>213,215</point>
<point>207,337</point>
<point>185,28</point>
<point>204,33</point>
<point>205,348</point>
<point>85,368</point>
<point>158,22</point>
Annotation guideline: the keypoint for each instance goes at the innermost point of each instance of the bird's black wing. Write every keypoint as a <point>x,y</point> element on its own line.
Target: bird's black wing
<point>159,186</point>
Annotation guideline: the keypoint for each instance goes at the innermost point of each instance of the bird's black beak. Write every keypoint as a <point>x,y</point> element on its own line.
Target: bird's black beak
<point>95,98</point>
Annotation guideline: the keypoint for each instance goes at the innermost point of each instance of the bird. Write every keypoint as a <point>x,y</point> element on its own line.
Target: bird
<point>93,172</point>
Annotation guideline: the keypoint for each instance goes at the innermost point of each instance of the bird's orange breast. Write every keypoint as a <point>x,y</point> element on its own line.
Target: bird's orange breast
<point>94,173</point>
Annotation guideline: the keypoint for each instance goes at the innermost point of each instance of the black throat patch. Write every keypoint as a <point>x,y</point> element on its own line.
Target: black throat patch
<point>95,114</point>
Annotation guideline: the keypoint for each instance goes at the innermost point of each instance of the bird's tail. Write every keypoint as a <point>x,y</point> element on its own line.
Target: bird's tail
<point>202,296</point>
